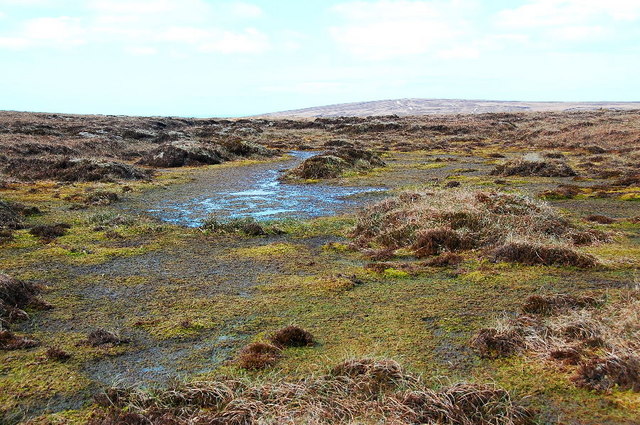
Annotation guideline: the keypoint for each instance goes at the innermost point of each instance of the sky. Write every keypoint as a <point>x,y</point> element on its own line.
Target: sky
<point>207,58</point>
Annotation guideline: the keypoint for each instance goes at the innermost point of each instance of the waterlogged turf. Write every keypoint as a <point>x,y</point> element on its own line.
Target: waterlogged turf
<point>255,190</point>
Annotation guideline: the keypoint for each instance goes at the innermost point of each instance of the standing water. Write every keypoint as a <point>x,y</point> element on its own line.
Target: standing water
<point>255,191</point>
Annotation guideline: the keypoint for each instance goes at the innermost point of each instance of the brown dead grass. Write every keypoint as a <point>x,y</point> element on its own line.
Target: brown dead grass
<point>335,162</point>
<point>536,254</point>
<point>542,168</point>
<point>57,354</point>
<point>72,169</point>
<point>549,304</point>
<point>601,219</point>
<point>354,392</point>
<point>504,226</point>
<point>258,356</point>
<point>611,371</point>
<point>600,342</point>
<point>50,231</point>
<point>10,341</point>
<point>15,295</point>
<point>292,336</point>
<point>102,337</point>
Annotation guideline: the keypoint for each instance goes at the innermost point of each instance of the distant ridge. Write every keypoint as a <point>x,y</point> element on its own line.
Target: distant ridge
<point>406,107</point>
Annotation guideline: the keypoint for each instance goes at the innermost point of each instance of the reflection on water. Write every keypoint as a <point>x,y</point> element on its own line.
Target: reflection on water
<point>255,191</point>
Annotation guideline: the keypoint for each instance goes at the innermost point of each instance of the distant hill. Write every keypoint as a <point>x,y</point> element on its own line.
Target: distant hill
<point>404,107</point>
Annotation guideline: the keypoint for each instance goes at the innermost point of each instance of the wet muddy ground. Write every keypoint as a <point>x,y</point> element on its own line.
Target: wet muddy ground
<point>252,190</point>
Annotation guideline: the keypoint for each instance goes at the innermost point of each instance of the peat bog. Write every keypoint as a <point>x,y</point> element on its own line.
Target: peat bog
<point>470,269</point>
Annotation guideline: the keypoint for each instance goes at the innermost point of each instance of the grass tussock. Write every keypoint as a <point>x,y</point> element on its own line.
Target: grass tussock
<point>258,356</point>
<point>247,226</point>
<point>613,370</point>
<point>537,254</point>
<point>549,304</point>
<point>292,336</point>
<point>504,226</point>
<point>334,163</point>
<point>15,296</point>
<point>50,231</point>
<point>600,219</point>
<point>194,153</point>
<point>356,391</point>
<point>102,337</point>
<point>73,170</point>
<point>10,341</point>
<point>563,191</point>
<point>57,354</point>
<point>540,168</point>
<point>599,343</point>
<point>12,214</point>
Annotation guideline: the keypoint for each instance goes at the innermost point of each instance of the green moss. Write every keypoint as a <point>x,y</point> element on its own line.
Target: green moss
<point>392,273</point>
<point>267,251</point>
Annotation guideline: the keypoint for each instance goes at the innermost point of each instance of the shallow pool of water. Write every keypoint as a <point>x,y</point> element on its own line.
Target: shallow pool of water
<point>255,191</point>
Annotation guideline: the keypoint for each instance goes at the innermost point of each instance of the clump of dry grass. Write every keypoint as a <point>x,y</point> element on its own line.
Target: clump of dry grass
<point>258,356</point>
<point>183,153</point>
<point>10,217</point>
<point>102,337</point>
<point>549,304</point>
<point>15,295</point>
<point>10,341</point>
<point>494,343</point>
<point>532,254</point>
<point>434,241</point>
<point>57,354</point>
<point>503,226</point>
<point>540,168</point>
<point>243,225</point>
<point>12,214</point>
<point>602,341</point>
<point>73,169</point>
<point>50,231</point>
<point>357,390</point>
<point>335,162</point>
<point>292,336</point>
<point>600,219</point>
<point>613,370</point>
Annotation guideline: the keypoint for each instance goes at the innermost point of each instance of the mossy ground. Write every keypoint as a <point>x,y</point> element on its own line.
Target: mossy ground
<point>190,299</point>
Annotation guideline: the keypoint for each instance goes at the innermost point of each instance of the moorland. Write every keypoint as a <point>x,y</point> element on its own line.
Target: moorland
<point>476,269</point>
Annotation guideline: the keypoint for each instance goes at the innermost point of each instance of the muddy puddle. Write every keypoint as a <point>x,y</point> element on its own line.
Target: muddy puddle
<point>253,191</point>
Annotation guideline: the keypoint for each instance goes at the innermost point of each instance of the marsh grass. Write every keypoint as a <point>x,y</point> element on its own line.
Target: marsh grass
<point>502,226</point>
<point>601,342</point>
<point>355,391</point>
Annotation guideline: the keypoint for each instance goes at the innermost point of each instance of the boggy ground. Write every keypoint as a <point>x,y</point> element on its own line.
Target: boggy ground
<point>187,301</point>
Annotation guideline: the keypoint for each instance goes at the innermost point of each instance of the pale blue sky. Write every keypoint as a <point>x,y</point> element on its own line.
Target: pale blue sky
<point>233,58</point>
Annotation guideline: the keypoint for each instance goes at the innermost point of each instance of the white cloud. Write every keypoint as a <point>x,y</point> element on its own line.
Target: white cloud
<point>247,41</point>
<point>15,43</point>
<point>393,28</point>
<point>246,10</point>
<point>146,27</point>
<point>214,40</point>
<point>61,32</point>
<point>141,50</point>
<point>550,13</point>
<point>25,2</point>
<point>461,52</point>
<point>578,32</point>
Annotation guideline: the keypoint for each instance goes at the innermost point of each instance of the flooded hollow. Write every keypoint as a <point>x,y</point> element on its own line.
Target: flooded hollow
<point>252,190</point>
